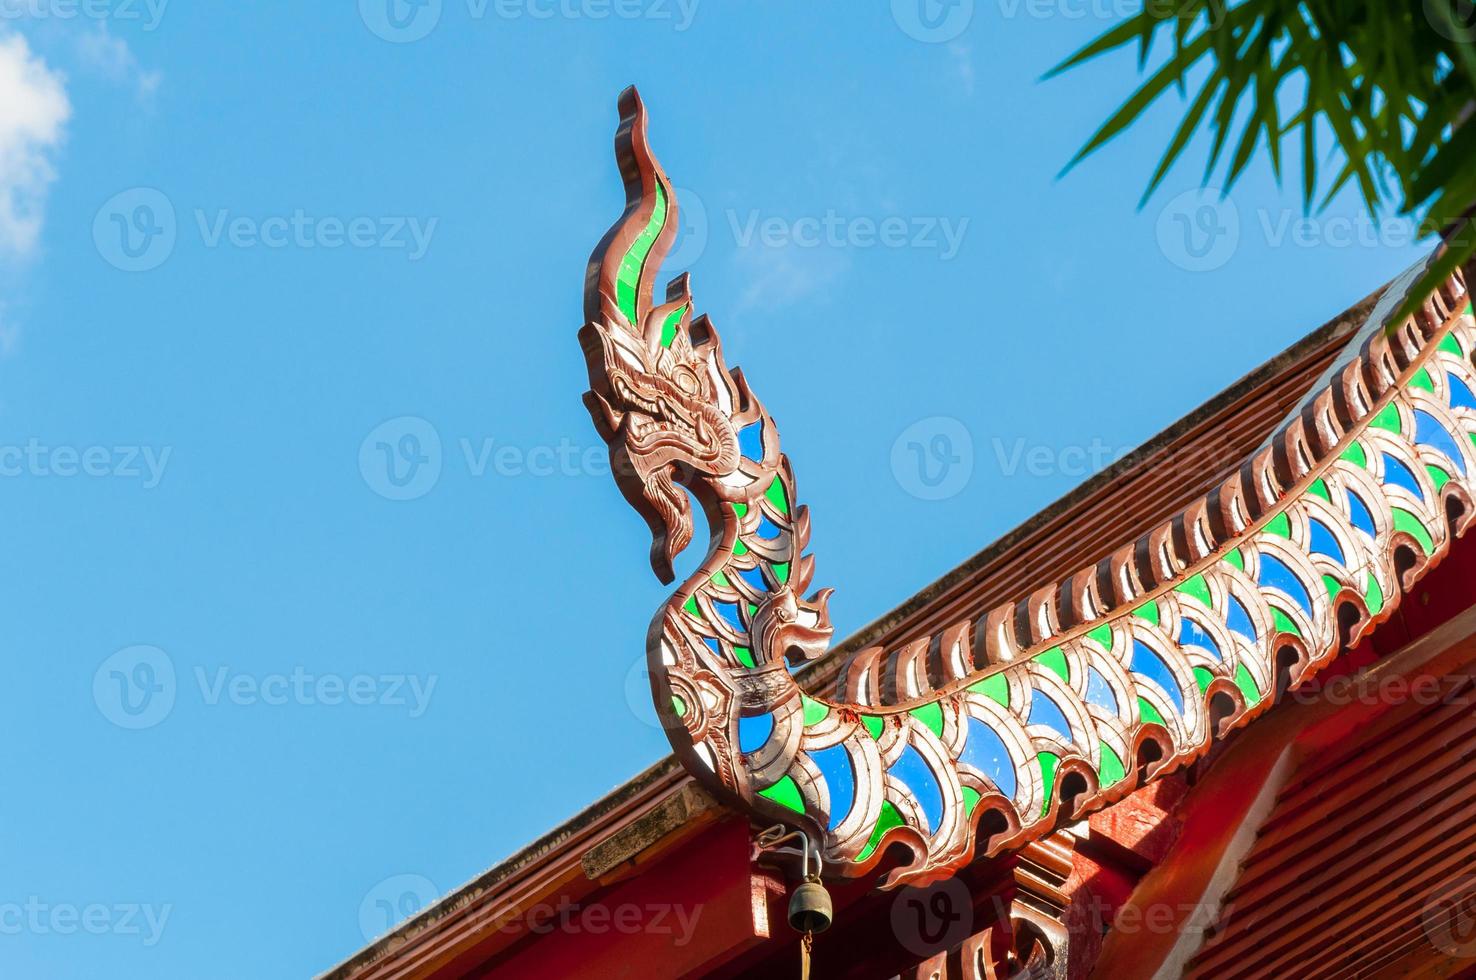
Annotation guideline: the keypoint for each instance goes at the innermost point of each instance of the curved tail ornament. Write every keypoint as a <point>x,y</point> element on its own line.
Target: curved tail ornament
<point>1001,727</point>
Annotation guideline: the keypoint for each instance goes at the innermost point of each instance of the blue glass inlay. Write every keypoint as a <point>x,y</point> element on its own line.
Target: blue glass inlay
<point>913,772</point>
<point>1099,692</point>
<point>767,528</point>
<point>1460,394</point>
<point>1239,620</point>
<point>1044,711</point>
<point>729,612</point>
<point>1151,665</point>
<point>1429,432</point>
<point>754,578</point>
<point>713,645</point>
<point>1324,543</point>
<point>1360,515</point>
<point>835,765</point>
<point>751,441</point>
<point>986,752</point>
<point>754,731</point>
<point>1191,634</point>
<point>1276,575</point>
<point>1398,474</point>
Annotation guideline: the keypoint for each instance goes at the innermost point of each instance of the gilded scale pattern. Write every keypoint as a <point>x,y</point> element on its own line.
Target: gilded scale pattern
<point>1003,726</point>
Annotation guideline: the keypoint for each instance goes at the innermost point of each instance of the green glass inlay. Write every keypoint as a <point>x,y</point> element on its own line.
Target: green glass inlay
<point>1203,678</point>
<point>781,571</point>
<point>1355,455</point>
<point>744,656</point>
<point>971,800</point>
<point>1283,623</point>
<point>1237,559</point>
<point>1111,770</point>
<point>1407,522</point>
<point>1197,587</point>
<point>1148,611</point>
<point>1451,346</point>
<point>1247,685</point>
<point>1102,635</point>
<point>1281,526</point>
<point>1373,598</point>
<point>786,794</point>
<point>669,326</point>
<point>1438,476</point>
<point>741,510</point>
<point>751,610</point>
<point>873,725</point>
<point>1055,659</point>
<point>739,548</point>
<point>679,706</point>
<point>690,607</point>
<point>1319,488</point>
<point>777,496</point>
<point>628,276</point>
<point>1422,380</point>
<point>815,712</point>
<point>1332,585</point>
<point>930,715</point>
<point>1388,419</point>
<point>1147,713</point>
<point>885,821</point>
<point>994,686</point>
<point>1048,763</point>
<point>721,579</point>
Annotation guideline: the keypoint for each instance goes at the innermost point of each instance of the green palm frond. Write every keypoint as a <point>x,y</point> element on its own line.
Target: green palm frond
<point>1394,83</point>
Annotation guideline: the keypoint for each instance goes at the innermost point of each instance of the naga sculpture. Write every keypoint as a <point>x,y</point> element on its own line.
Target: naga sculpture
<point>1007,724</point>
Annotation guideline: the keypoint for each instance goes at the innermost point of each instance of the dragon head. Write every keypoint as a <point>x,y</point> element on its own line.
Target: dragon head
<point>659,392</point>
<point>659,405</point>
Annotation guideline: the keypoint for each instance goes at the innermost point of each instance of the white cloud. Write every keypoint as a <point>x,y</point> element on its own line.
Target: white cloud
<point>963,65</point>
<point>104,53</point>
<point>778,277</point>
<point>33,114</point>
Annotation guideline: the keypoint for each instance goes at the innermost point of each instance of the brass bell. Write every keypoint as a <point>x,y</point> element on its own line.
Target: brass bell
<point>810,909</point>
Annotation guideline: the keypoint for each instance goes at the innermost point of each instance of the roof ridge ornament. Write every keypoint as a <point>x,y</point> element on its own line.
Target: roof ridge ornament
<point>993,732</point>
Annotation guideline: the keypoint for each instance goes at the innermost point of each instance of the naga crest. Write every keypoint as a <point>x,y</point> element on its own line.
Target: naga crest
<point>660,394</point>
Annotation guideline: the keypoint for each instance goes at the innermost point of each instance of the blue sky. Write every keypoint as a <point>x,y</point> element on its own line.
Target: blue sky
<point>261,689</point>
